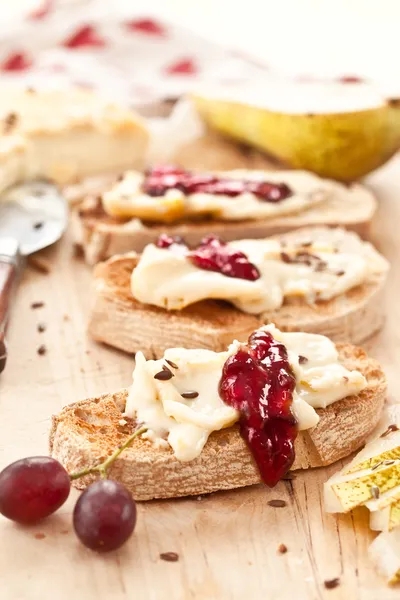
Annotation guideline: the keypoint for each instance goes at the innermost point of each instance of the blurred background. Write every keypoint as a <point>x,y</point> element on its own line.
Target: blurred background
<point>318,36</point>
<point>294,36</point>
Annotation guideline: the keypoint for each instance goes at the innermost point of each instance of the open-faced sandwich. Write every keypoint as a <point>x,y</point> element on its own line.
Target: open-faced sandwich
<point>231,204</point>
<point>320,280</point>
<point>224,420</point>
<point>66,135</point>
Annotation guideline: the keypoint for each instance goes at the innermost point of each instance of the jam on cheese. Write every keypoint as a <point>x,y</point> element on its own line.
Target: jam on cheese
<point>169,194</point>
<point>161,179</point>
<point>256,276</point>
<point>271,386</point>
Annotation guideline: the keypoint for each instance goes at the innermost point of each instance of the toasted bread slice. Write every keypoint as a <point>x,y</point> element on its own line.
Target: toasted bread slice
<point>121,321</point>
<point>86,432</point>
<point>102,236</point>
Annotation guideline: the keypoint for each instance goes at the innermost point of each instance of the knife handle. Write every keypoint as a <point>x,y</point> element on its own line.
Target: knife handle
<point>9,258</point>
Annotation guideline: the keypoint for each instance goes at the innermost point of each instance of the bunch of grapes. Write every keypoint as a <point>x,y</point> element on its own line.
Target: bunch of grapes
<point>33,488</point>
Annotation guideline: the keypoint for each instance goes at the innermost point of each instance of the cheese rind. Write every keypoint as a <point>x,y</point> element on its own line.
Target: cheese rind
<point>66,135</point>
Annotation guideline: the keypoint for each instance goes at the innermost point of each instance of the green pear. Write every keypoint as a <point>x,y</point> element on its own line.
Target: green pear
<point>339,131</point>
<point>385,554</point>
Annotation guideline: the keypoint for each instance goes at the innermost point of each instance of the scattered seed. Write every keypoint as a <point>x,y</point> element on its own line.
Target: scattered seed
<point>277,503</point>
<point>330,584</point>
<point>42,350</point>
<point>306,244</point>
<point>282,549</point>
<point>41,327</point>
<point>37,305</point>
<point>345,378</point>
<point>389,462</point>
<point>66,318</point>
<point>38,225</point>
<point>39,536</point>
<point>391,428</point>
<point>321,266</point>
<point>164,375</point>
<point>285,257</point>
<point>378,464</point>
<point>375,492</point>
<point>10,121</point>
<point>169,556</point>
<point>302,359</point>
<point>190,395</point>
<point>171,364</point>
<point>340,273</point>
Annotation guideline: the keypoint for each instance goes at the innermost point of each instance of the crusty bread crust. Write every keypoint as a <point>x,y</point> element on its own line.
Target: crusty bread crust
<point>86,432</point>
<point>119,320</point>
<point>102,236</point>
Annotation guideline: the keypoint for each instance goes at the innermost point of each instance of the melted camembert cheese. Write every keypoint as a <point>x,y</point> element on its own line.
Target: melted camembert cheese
<point>313,270</point>
<point>127,199</point>
<point>185,423</point>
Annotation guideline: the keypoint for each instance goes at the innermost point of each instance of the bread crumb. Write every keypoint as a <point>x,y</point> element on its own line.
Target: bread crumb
<point>282,549</point>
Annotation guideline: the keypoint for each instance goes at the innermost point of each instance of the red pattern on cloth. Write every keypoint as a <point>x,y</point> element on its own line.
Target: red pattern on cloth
<point>147,26</point>
<point>85,36</point>
<point>185,66</point>
<point>17,61</point>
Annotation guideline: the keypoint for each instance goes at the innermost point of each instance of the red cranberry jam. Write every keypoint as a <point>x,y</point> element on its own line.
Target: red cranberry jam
<point>160,179</point>
<point>215,255</point>
<point>166,241</point>
<point>258,382</point>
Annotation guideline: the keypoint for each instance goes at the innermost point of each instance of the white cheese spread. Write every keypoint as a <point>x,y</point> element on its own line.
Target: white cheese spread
<point>168,279</point>
<point>185,424</point>
<point>126,199</point>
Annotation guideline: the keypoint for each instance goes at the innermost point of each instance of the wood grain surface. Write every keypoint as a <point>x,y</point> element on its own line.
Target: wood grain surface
<point>227,542</point>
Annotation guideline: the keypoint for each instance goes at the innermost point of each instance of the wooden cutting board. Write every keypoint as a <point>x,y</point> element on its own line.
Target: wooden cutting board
<point>227,542</point>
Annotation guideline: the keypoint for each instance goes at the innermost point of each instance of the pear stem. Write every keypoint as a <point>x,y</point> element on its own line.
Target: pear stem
<point>103,467</point>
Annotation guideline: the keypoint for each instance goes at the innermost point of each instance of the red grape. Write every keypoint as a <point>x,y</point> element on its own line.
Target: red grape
<point>33,488</point>
<point>105,516</point>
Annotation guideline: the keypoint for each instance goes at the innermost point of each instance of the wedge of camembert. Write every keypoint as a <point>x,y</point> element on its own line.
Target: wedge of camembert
<point>66,135</point>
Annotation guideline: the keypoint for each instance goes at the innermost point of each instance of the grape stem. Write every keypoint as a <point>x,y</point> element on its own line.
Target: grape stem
<point>103,467</point>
